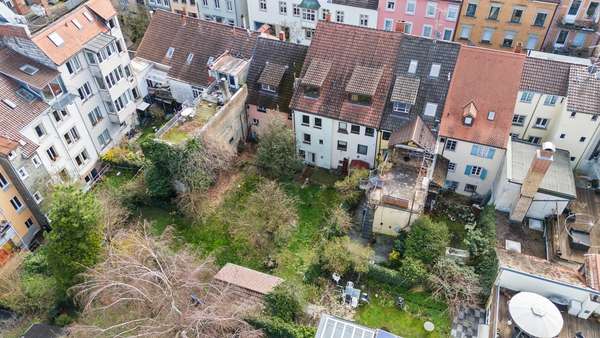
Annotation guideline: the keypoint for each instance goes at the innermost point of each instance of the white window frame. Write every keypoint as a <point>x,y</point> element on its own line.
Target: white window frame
<point>413,4</point>
<point>430,5</point>
<point>452,9</point>
<point>363,20</point>
<point>430,109</point>
<point>430,31</point>
<point>392,7</point>
<point>23,174</point>
<point>262,5</point>
<point>434,72</point>
<point>451,34</point>
<point>413,66</point>
<point>282,8</point>
<point>388,25</point>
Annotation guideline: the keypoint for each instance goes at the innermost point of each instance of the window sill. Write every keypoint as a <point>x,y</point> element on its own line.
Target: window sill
<point>305,124</point>
<point>491,19</point>
<point>306,142</point>
<point>517,125</point>
<point>485,42</point>
<point>540,127</point>
<point>342,131</point>
<point>317,127</point>
<point>369,135</point>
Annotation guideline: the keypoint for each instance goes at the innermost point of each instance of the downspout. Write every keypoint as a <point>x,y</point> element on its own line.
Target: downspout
<point>549,26</point>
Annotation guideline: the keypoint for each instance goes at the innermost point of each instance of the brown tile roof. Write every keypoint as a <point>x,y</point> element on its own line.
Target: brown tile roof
<point>7,145</point>
<point>539,267</point>
<point>12,121</point>
<point>272,74</point>
<point>364,80</point>
<point>190,35</point>
<point>415,132</point>
<point>103,8</point>
<point>247,278</point>
<point>405,89</point>
<point>347,47</point>
<point>592,271</point>
<point>545,76</point>
<point>73,37</point>
<point>490,79</point>
<point>584,91</point>
<point>317,72</point>
<point>11,62</point>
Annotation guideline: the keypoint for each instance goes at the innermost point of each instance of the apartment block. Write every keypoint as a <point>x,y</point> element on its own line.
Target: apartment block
<point>430,19</point>
<point>476,121</point>
<point>298,19</point>
<point>574,30</point>
<point>505,25</point>
<point>71,58</point>
<point>557,102</point>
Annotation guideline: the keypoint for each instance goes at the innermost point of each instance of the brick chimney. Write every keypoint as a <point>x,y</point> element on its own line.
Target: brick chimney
<point>519,48</point>
<point>537,170</point>
<point>399,26</point>
<point>21,7</point>
<point>282,36</point>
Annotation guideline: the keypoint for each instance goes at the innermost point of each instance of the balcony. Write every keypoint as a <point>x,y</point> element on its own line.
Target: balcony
<point>568,22</point>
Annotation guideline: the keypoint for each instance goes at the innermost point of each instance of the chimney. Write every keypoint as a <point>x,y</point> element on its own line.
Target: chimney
<point>21,7</point>
<point>519,48</point>
<point>399,26</point>
<point>328,17</point>
<point>183,19</point>
<point>537,170</point>
<point>282,36</point>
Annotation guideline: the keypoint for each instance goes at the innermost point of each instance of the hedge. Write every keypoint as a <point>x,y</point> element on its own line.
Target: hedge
<point>275,327</point>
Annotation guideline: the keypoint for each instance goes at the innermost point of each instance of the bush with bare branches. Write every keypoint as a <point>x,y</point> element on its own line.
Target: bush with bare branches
<point>143,289</point>
<point>455,284</point>
<point>267,219</point>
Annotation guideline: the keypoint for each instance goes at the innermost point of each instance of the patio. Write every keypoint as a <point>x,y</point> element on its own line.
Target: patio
<point>587,203</point>
<point>590,328</point>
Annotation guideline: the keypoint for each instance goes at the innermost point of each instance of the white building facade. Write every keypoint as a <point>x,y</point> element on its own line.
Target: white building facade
<point>298,19</point>
<point>327,143</point>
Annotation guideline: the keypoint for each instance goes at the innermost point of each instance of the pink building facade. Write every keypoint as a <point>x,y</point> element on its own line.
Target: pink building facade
<point>427,18</point>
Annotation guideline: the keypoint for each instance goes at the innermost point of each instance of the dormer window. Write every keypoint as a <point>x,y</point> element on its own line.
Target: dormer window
<point>363,84</point>
<point>312,91</point>
<point>268,88</point>
<point>469,114</point>
<point>361,99</point>
<point>401,107</point>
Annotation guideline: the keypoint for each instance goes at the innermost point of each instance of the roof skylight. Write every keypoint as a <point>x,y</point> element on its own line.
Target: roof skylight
<point>28,69</point>
<point>56,39</point>
<point>77,23</point>
<point>88,16</point>
<point>9,103</point>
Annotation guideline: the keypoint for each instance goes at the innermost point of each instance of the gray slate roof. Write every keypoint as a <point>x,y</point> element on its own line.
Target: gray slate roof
<point>545,76</point>
<point>434,90</point>
<point>584,91</point>
<point>559,179</point>
<point>270,52</point>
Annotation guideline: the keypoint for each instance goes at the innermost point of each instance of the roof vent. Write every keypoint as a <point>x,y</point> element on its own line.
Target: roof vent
<point>29,69</point>
<point>9,103</point>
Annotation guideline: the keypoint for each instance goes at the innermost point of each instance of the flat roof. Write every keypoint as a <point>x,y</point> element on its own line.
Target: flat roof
<point>559,179</point>
<point>247,278</point>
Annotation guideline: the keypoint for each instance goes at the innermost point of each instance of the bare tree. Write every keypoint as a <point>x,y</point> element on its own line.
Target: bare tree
<point>113,214</point>
<point>455,284</point>
<point>143,289</point>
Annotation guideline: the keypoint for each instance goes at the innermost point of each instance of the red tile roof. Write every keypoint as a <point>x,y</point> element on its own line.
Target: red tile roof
<point>11,62</point>
<point>74,38</point>
<point>349,49</point>
<point>190,35</point>
<point>490,80</point>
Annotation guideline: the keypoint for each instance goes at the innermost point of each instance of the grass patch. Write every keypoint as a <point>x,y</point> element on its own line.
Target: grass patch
<point>175,136</point>
<point>381,312</point>
<point>456,229</point>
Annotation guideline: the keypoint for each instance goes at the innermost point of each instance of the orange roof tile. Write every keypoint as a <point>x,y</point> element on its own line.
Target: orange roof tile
<point>7,145</point>
<point>73,38</point>
<point>490,80</point>
<point>103,8</point>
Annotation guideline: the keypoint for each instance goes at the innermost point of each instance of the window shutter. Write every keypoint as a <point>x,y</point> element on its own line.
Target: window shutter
<point>474,150</point>
<point>468,170</point>
<point>483,174</point>
<point>491,152</point>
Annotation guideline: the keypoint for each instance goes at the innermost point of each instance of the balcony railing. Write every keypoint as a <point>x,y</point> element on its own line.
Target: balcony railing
<point>578,24</point>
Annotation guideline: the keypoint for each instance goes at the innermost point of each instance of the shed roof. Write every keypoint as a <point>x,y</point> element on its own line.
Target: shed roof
<point>559,179</point>
<point>247,278</point>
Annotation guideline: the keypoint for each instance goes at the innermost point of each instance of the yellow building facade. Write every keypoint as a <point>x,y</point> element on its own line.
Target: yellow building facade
<point>505,24</point>
<point>16,218</point>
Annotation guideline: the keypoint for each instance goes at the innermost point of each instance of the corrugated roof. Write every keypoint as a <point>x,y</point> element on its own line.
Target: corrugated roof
<point>247,278</point>
<point>490,79</point>
<point>347,47</point>
<point>406,89</point>
<point>275,52</point>
<point>187,35</point>
<point>545,76</point>
<point>11,62</point>
<point>584,91</point>
<point>559,178</point>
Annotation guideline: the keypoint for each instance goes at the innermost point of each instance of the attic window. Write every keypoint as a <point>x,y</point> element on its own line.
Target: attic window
<point>88,16</point>
<point>9,103</point>
<point>268,87</point>
<point>56,39</point>
<point>468,120</point>
<point>170,52</point>
<point>435,70</point>
<point>189,59</point>
<point>28,69</point>
<point>77,23</point>
<point>491,115</point>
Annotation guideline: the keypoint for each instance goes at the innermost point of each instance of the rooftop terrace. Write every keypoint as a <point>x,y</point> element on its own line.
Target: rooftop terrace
<point>185,128</point>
